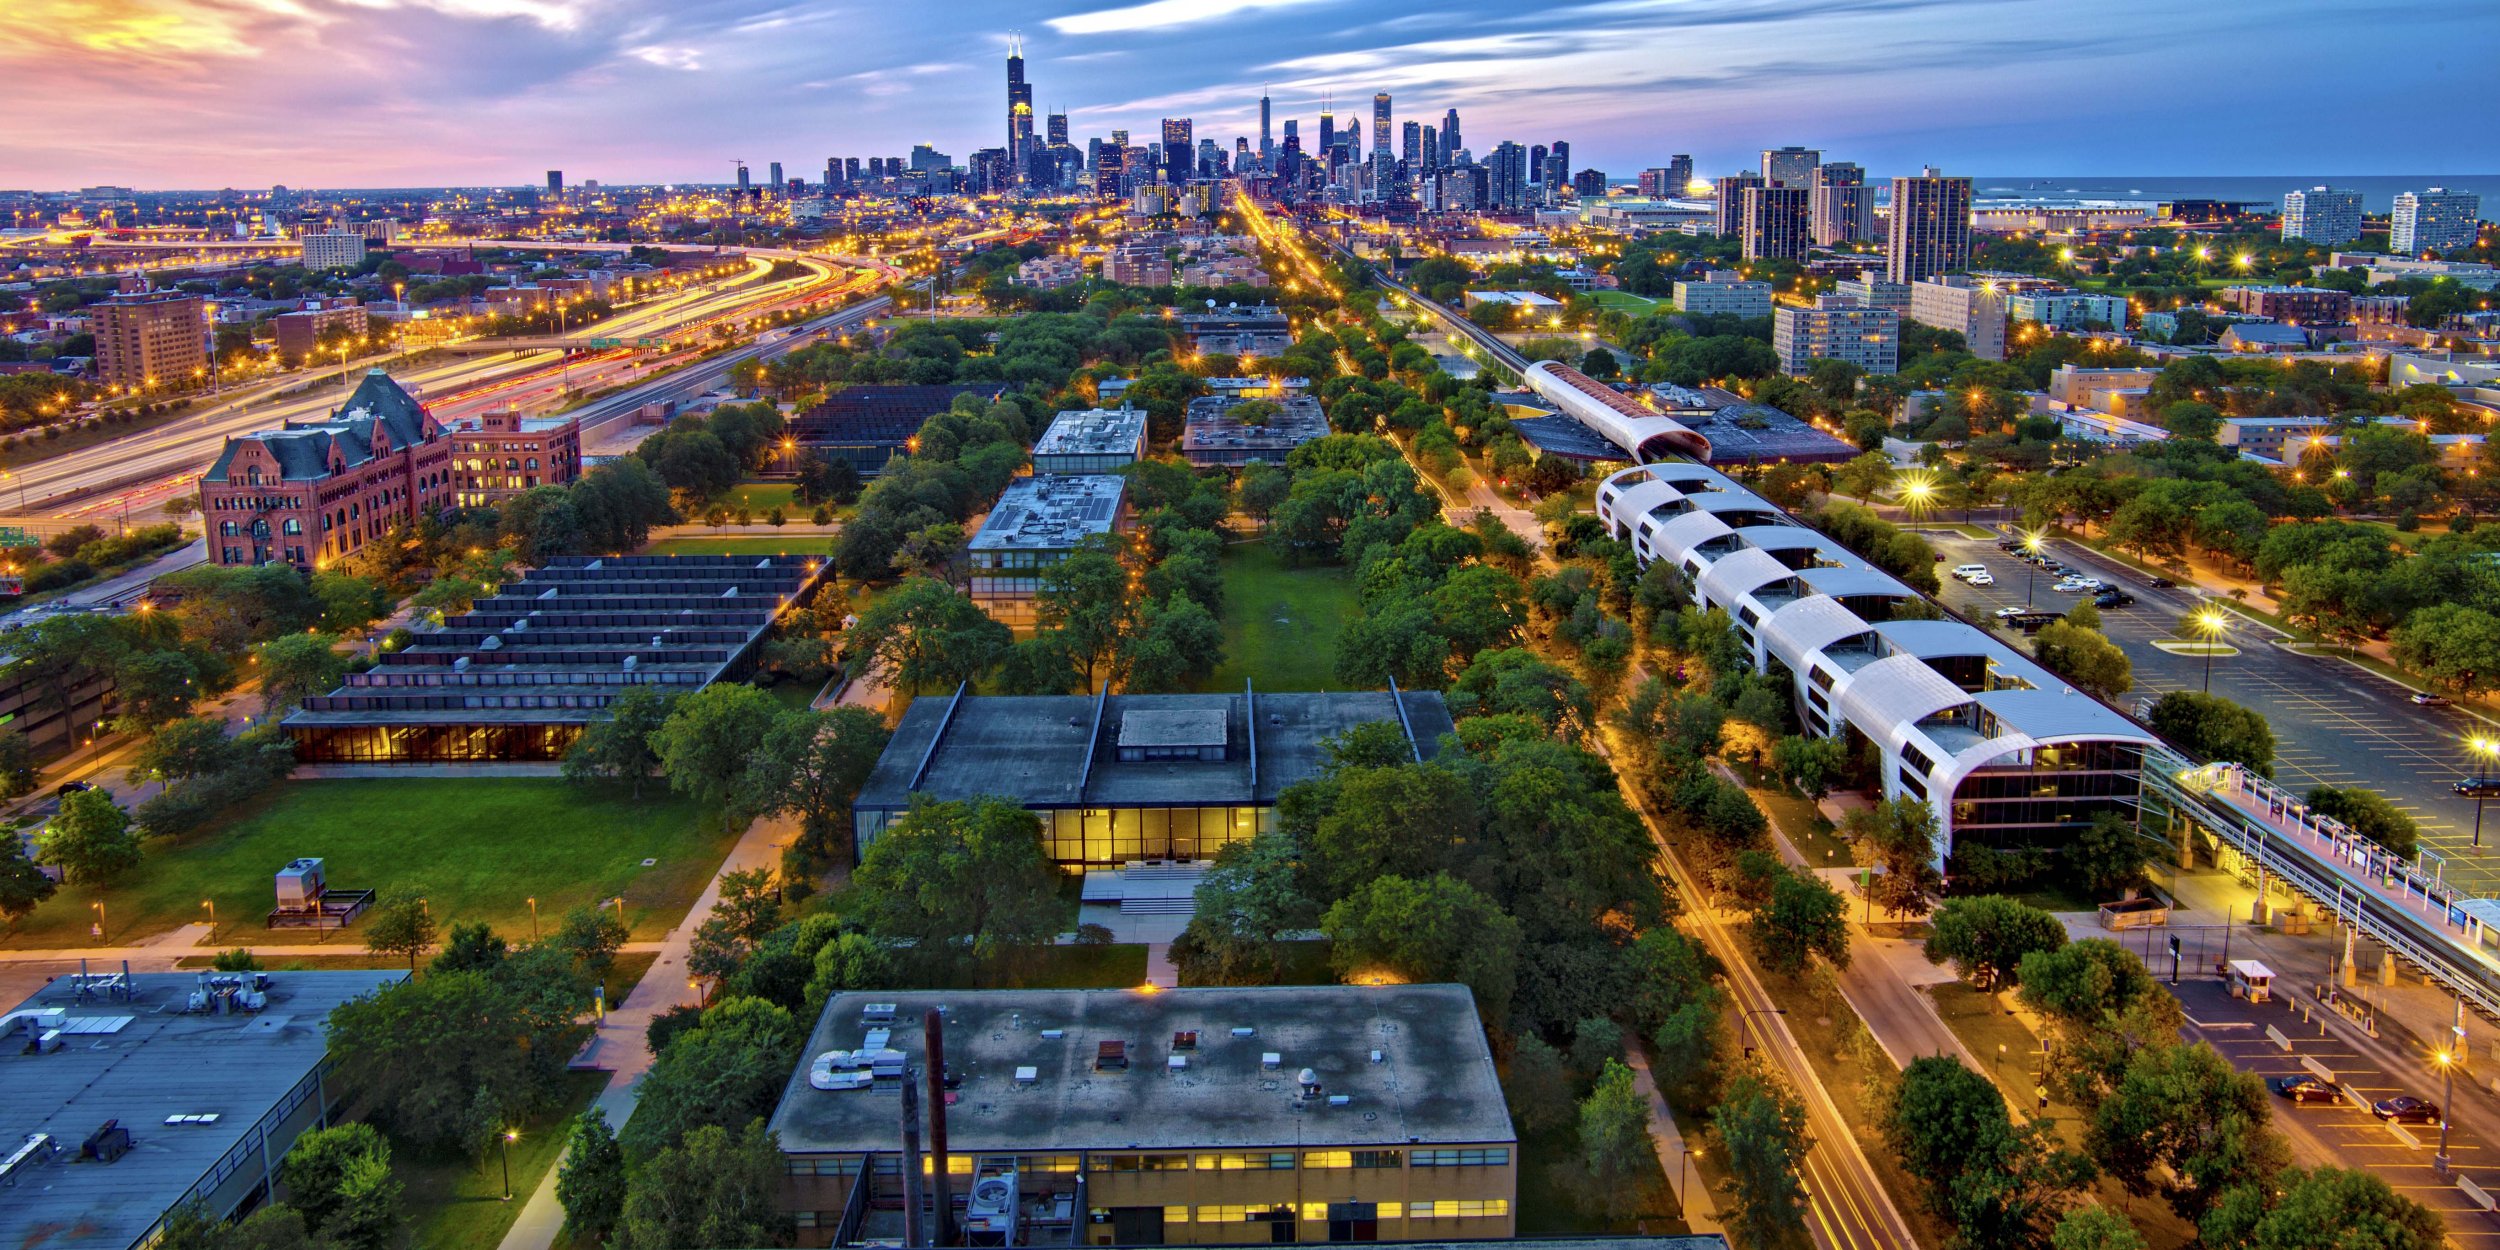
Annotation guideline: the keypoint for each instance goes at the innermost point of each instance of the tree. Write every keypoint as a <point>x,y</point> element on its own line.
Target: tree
<point>2454,646</point>
<point>195,746</point>
<point>958,880</point>
<point>294,667</point>
<point>1802,918</point>
<point>1998,1184</point>
<point>591,936</point>
<point>1901,832</point>
<point>153,688</point>
<point>2084,657</point>
<point>2181,1122</point>
<point>1537,1085</point>
<point>926,633</point>
<point>443,1057</point>
<point>1175,645</point>
<point>618,745</point>
<point>2368,814</point>
<point>727,1070</point>
<point>1986,936</point>
<point>90,839</point>
<point>715,1191</point>
<point>400,924</point>
<point>851,961</point>
<point>472,947</point>
<point>708,744</point>
<point>1435,929</point>
<point>1761,1130</point>
<point>339,1177</point>
<point>2095,1227</point>
<point>2107,855</point>
<point>1810,764</point>
<point>1618,1156</point>
<point>2085,982</point>
<point>18,773</point>
<point>2327,1209</point>
<point>2212,727</point>
<point>23,886</point>
<point>1085,599</point>
<point>347,602</point>
<point>811,765</point>
<point>591,1184</point>
<point>1246,904</point>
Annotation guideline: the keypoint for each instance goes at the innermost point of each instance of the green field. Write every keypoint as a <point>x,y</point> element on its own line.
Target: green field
<point>763,497</point>
<point>1622,299</point>
<point>474,848</point>
<point>744,545</point>
<point>1281,621</point>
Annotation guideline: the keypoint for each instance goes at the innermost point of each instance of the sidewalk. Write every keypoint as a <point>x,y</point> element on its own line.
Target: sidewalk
<point>618,1044</point>
<point>1692,1194</point>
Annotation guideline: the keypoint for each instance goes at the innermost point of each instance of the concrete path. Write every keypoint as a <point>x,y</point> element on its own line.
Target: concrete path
<point>618,1044</point>
<point>1700,1206</point>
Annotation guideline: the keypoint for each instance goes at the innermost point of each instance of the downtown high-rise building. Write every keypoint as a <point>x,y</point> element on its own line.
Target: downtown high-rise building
<point>745,183</point>
<point>2436,220</point>
<point>1267,141</point>
<point>1451,145</point>
<point>1327,129</point>
<point>1930,230</point>
<point>1506,176</point>
<point>1179,153</point>
<point>1727,214</point>
<point>1019,111</point>
<point>555,182</point>
<point>1411,145</point>
<point>1790,166</point>
<point>775,184</point>
<point>1431,154</point>
<point>1557,168</point>
<point>1380,122</point>
<point>1775,221</point>
<point>1058,130</point>
<point>1844,206</point>
<point>2327,216</point>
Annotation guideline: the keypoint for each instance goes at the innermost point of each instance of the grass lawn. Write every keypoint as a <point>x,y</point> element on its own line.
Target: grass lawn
<point>459,1202</point>
<point>1280,621</point>
<point>794,694</point>
<point>744,545</point>
<point>1804,824</point>
<point>474,848</point>
<point>1622,299</point>
<point>1107,967</point>
<point>763,497</point>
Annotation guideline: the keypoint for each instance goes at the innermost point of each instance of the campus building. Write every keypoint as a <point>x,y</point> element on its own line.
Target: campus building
<point>1724,291</point>
<point>1214,438</point>
<point>1036,523</point>
<point>2005,752</point>
<point>496,455</point>
<point>313,492</point>
<point>1092,440</point>
<point>520,674</point>
<point>156,340</point>
<point>1122,778</point>
<point>1836,328</point>
<point>1171,1117</point>
<point>1970,307</point>
<point>870,425</point>
<point>129,1096</point>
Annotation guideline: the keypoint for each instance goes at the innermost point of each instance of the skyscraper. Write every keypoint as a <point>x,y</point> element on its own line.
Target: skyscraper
<point>833,174</point>
<point>1179,154</point>
<point>1380,122</point>
<point>2328,216</point>
<point>1431,154</point>
<point>1019,110</point>
<point>1506,176</point>
<point>555,182</point>
<point>1450,143</point>
<point>1058,130</point>
<point>1844,207</point>
<point>1775,222</point>
<point>1327,127</point>
<point>1930,231</point>
<point>1679,174</point>
<point>776,184</point>
<point>1411,146</point>
<point>744,183</point>
<point>1728,215</point>
<point>1790,166</point>
<point>2436,220</point>
<point>1267,141</point>
<point>1558,164</point>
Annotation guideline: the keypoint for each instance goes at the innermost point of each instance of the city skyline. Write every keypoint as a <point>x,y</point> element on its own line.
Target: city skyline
<point>204,93</point>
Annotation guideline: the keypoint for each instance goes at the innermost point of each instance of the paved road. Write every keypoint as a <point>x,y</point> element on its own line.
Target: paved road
<point>2335,723</point>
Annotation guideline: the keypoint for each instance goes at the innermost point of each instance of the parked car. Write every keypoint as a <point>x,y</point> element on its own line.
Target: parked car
<point>2003,613</point>
<point>1982,578</point>
<point>2478,787</point>
<point>69,788</point>
<point>2406,1109</point>
<point>2113,599</point>
<point>2070,586</point>
<point>1969,570</point>
<point>2427,699</point>
<point>2160,583</point>
<point>2306,1088</point>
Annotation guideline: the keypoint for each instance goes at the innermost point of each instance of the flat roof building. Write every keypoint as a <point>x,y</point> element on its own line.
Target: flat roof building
<point>2436,220</point>
<point>519,675</point>
<point>869,425</point>
<point>157,341</point>
<point>1177,1117</point>
<point>1971,307</point>
<point>1121,778</point>
<point>1213,438</point>
<point>1091,440</point>
<point>2326,216</point>
<point>2068,310</point>
<point>1724,291</point>
<point>1036,523</point>
<point>189,1086</point>
<point>1837,329</point>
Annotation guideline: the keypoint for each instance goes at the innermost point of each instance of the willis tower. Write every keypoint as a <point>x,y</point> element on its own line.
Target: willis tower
<point>1019,112</point>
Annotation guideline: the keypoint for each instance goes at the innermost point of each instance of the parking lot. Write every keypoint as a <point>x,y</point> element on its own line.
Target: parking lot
<point>2334,723</point>
<point>2343,1133</point>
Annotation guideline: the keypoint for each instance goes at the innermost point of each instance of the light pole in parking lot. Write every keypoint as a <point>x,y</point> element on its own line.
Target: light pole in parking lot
<point>2032,542</point>
<point>2448,1060</point>
<point>2483,748</point>
<point>2209,624</point>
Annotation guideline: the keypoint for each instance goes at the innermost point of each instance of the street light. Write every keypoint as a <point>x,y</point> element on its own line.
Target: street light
<point>98,905</point>
<point>2210,623</point>
<point>2033,540</point>
<point>510,1136</point>
<point>211,905</point>
<point>533,918</point>
<point>2484,749</point>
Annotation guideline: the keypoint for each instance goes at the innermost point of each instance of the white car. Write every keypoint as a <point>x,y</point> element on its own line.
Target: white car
<point>2071,586</point>
<point>2016,610</point>
<point>1982,578</point>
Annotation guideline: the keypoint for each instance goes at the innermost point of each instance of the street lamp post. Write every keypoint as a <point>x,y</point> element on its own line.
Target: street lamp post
<point>211,905</point>
<point>2448,1060</point>
<point>100,918</point>
<point>1683,1184</point>
<point>2483,748</point>
<point>509,1136</point>
<point>2032,540</point>
<point>533,918</point>
<point>2209,623</point>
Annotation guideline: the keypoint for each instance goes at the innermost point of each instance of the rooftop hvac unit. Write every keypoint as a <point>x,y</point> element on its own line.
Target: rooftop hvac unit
<point>300,885</point>
<point>107,1143</point>
<point>992,1207</point>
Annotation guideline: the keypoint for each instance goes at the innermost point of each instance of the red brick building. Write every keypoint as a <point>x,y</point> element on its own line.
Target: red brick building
<point>311,493</point>
<point>495,456</point>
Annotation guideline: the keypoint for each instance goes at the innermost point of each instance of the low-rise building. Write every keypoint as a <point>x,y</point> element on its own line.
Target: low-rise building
<point>2264,336</point>
<point>1724,291</point>
<point>129,1096</point>
<point>1258,330</point>
<point>2385,269</point>
<point>1050,273</point>
<point>1138,266</point>
<point>2297,305</point>
<point>1174,1117</point>
<point>2068,310</point>
<point>1036,523</point>
<point>312,492</point>
<point>1871,290</point>
<point>2085,388</point>
<point>1836,329</point>
<point>1091,440</point>
<point>496,455</point>
<point>1215,438</point>
<point>300,332</point>
<point>869,425</point>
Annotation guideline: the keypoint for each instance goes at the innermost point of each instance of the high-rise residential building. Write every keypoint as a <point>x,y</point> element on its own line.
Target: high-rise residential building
<point>1380,122</point>
<point>777,183</point>
<point>1775,222</point>
<point>1431,155</point>
<point>1727,216</point>
<point>1679,174</point>
<point>1506,176</point>
<point>1558,164</point>
<point>1844,206</point>
<point>1179,153</point>
<point>1970,307</point>
<point>850,171</point>
<point>1836,328</point>
<point>1655,183</point>
<point>1536,164</point>
<point>1411,146</point>
<point>1019,110</point>
<point>1724,291</point>
<point>555,182</point>
<point>745,183</point>
<point>158,339</point>
<point>2436,220</point>
<point>1450,143</point>
<point>1790,167</point>
<point>1267,140</point>
<point>1589,184</point>
<point>925,158</point>
<point>2327,216</point>
<point>1930,230</point>
<point>333,249</point>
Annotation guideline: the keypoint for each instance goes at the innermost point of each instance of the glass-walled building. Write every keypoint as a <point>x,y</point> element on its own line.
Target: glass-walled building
<point>1118,779</point>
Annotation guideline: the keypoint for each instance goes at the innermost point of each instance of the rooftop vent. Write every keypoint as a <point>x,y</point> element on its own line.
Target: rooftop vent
<point>1111,1057</point>
<point>1340,1100</point>
<point>1053,1034</point>
<point>1186,1040</point>
<point>107,1143</point>
<point>1027,1075</point>
<point>1243,1030</point>
<point>1176,1063</point>
<point>876,1013</point>
<point>1376,1056</point>
<point>1271,1060</point>
<point>631,661</point>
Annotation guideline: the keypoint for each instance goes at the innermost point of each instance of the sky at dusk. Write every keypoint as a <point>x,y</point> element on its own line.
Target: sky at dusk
<point>345,93</point>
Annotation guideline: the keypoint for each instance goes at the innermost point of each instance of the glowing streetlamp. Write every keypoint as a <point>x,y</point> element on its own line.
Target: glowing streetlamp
<point>2484,749</point>
<point>2209,624</point>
